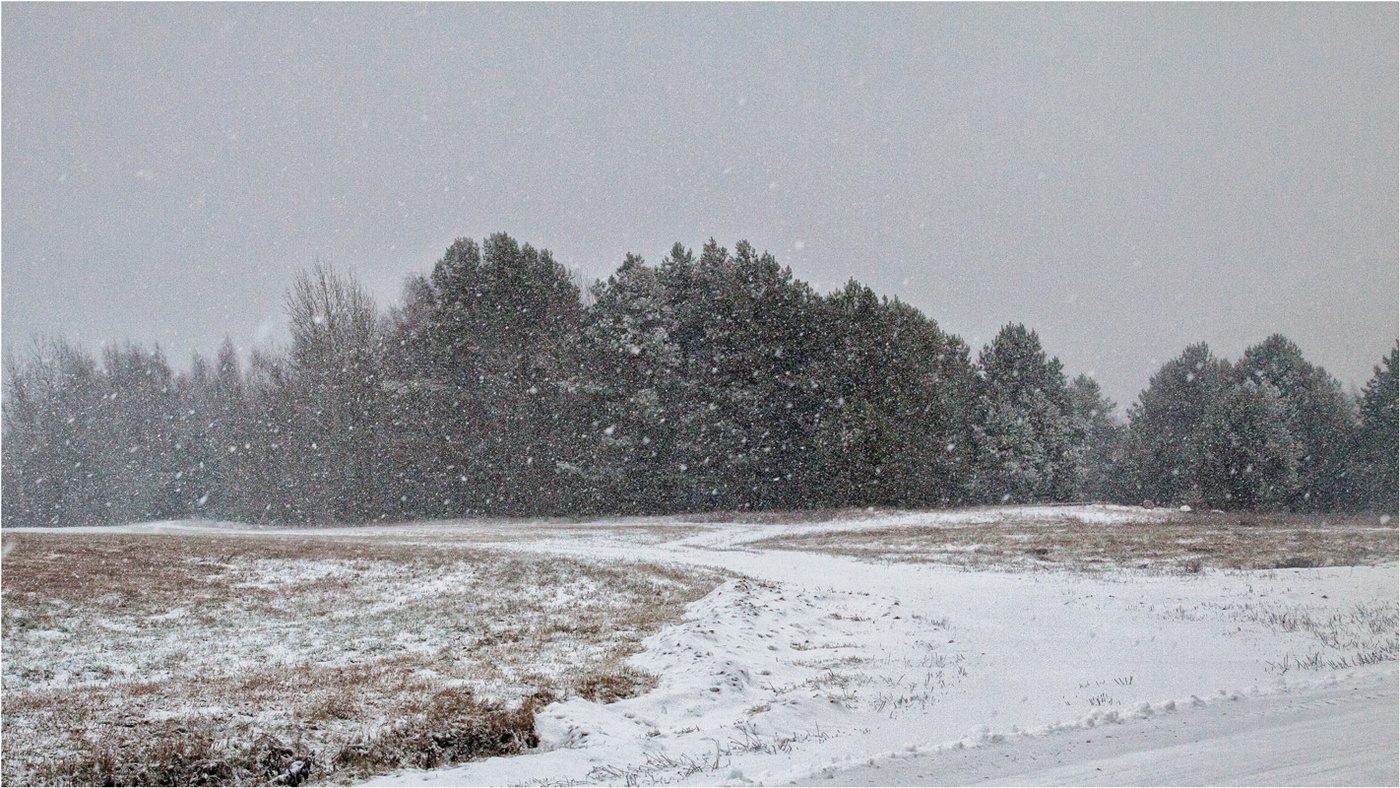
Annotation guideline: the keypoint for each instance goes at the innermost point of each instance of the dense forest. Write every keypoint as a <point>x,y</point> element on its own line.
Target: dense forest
<point>709,382</point>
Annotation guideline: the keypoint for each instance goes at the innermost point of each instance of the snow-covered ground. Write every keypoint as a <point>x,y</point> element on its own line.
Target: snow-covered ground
<point>827,669</point>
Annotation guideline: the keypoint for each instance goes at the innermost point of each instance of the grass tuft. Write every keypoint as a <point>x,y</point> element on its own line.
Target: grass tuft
<point>615,685</point>
<point>454,727</point>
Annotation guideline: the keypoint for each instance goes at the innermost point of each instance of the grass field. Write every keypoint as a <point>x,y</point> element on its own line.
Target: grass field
<point>200,653</point>
<point>249,658</point>
<point>1171,541</point>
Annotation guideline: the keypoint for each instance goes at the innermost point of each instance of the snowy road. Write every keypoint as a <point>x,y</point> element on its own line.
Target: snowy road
<point>823,669</point>
<point>1338,736</point>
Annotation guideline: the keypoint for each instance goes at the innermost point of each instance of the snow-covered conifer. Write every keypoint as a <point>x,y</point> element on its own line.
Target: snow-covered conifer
<point>1315,413</point>
<point>1027,438</point>
<point>1101,459</point>
<point>1377,454</point>
<point>1245,455</point>
<point>1165,425</point>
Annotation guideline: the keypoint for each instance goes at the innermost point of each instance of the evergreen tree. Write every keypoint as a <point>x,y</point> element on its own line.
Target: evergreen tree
<point>280,450</point>
<point>716,381</point>
<point>501,337</point>
<point>424,475</point>
<point>755,363</point>
<point>746,331</point>
<point>215,478</point>
<point>631,364</point>
<point>1246,457</point>
<point>691,290</point>
<point>856,445</point>
<point>1165,426</point>
<point>893,428</point>
<point>1315,413</point>
<point>138,436</point>
<point>53,473</point>
<point>1028,441</point>
<point>1377,455</point>
<point>90,445</point>
<point>1102,456</point>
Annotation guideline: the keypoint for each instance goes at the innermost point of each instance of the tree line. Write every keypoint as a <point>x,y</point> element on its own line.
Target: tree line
<point>714,381</point>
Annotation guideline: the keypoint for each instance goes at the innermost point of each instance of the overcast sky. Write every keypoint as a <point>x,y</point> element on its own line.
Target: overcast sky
<point>1124,179</point>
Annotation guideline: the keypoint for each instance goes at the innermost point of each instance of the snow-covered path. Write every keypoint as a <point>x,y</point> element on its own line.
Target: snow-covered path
<point>1342,735</point>
<point>819,665</point>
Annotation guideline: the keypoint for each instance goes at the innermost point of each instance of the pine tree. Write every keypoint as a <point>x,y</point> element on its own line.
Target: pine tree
<point>52,439</point>
<point>501,333</point>
<point>1102,455</point>
<point>214,418</point>
<point>716,381</point>
<point>1165,426</point>
<point>1028,441</point>
<point>1245,455</point>
<point>1377,455</point>
<point>420,470</point>
<point>692,290</point>
<point>856,444</point>
<point>747,334</point>
<point>630,371</point>
<point>761,345</point>
<point>896,391</point>
<point>1315,413</point>
<point>90,445</point>
<point>276,466</point>
<point>854,437</point>
<point>137,451</point>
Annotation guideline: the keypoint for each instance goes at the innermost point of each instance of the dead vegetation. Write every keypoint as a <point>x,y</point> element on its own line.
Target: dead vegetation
<point>278,659</point>
<point>1180,542</point>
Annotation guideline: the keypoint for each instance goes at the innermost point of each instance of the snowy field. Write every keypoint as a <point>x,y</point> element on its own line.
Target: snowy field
<point>179,654</point>
<point>1028,645</point>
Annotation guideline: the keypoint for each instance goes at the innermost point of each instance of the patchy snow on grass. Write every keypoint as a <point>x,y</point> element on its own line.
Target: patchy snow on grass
<point>869,647</point>
<point>1095,539</point>
<point>215,642</point>
<point>819,663</point>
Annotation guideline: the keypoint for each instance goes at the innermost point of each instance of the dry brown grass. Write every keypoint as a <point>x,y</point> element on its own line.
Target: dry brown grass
<point>261,658</point>
<point>1182,541</point>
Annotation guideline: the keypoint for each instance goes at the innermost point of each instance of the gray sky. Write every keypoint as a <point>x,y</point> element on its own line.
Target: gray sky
<point>1125,179</point>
